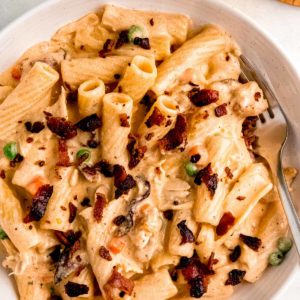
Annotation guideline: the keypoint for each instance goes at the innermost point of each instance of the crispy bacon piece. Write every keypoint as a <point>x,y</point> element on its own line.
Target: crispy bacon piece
<point>124,120</point>
<point>39,203</point>
<point>122,181</point>
<point>68,262</point>
<point>73,211</point>
<point>67,238</point>
<point>156,118</point>
<point>63,156</point>
<point>252,242</point>
<point>35,127</point>
<point>142,42</point>
<point>235,277</point>
<point>221,110</point>
<point>89,123</point>
<point>248,128</point>
<point>195,273</point>
<point>136,153</point>
<point>176,136</point>
<point>206,175</point>
<point>235,254</point>
<point>187,235</point>
<point>104,253</point>
<point>225,223</point>
<point>61,127</point>
<point>203,97</point>
<point>99,207</point>
<point>118,281</point>
<point>123,39</point>
<point>107,47</point>
<point>74,289</point>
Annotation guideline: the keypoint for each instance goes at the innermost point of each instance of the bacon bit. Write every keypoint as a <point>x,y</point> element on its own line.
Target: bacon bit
<point>116,245</point>
<point>16,72</point>
<point>240,198</point>
<point>2,174</point>
<point>252,242</point>
<point>235,254</point>
<point>118,281</point>
<point>63,156</point>
<point>89,123</point>
<point>187,235</point>
<point>36,127</point>
<point>73,211</point>
<point>61,127</point>
<point>67,238</point>
<point>257,96</point>
<point>225,223</point>
<point>228,173</point>
<point>39,203</point>
<point>142,42</point>
<point>176,136</point>
<point>107,47</point>
<point>168,214</point>
<point>124,120</point>
<point>151,21</point>
<point>203,97</point>
<point>235,277</point>
<point>221,110</point>
<point>74,289</point>
<point>248,128</point>
<point>122,181</point>
<point>136,153</point>
<point>123,39</point>
<point>147,101</point>
<point>104,253</point>
<point>29,140</point>
<point>156,118</point>
<point>99,206</point>
<point>119,220</point>
<point>211,180</point>
<point>18,158</point>
<point>195,273</point>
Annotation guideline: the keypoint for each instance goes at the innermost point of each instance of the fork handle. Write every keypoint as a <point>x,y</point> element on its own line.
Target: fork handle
<point>289,207</point>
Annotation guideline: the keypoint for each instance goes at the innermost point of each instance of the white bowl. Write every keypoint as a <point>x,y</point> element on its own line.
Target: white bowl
<point>40,23</point>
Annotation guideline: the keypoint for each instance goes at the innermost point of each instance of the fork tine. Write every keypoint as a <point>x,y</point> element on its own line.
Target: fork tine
<point>262,118</point>
<point>270,112</point>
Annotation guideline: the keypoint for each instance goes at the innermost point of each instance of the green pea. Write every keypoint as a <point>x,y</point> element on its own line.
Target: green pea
<point>83,154</point>
<point>135,31</point>
<point>191,169</point>
<point>10,150</point>
<point>276,258</point>
<point>284,244</point>
<point>3,235</point>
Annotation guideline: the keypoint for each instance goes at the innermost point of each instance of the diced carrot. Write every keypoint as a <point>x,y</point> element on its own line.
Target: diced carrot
<point>35,184</point>
<point>16,72</point>
<point>116,245</point>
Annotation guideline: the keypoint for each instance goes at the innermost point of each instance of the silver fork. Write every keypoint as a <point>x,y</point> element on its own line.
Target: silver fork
<point>272,135</point>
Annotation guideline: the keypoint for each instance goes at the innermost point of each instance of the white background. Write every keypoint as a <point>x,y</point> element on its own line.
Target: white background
<point>282,21</point>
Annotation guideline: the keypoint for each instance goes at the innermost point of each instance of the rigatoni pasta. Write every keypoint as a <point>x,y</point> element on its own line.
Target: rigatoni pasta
<point>128,164</point>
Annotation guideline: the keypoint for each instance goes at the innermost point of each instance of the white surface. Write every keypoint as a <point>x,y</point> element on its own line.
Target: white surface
<point>282,21</point>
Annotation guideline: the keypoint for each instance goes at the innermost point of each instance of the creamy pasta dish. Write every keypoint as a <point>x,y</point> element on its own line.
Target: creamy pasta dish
<point>128,166</point>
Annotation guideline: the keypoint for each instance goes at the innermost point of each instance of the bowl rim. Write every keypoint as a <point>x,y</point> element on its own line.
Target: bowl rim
<point>237,13</point>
